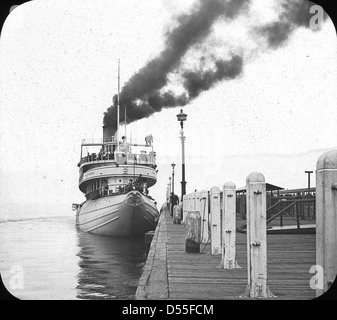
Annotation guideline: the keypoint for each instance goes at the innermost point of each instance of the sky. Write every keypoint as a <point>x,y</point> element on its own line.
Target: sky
<point>58,66</point>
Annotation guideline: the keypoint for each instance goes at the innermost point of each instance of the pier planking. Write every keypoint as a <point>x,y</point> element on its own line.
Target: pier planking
<point>196,276</point>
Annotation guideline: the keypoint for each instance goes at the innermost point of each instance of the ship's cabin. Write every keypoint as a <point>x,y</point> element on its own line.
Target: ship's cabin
<point>131,158</point>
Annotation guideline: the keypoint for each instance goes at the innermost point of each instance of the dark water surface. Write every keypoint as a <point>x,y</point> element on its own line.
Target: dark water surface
<point>48,258</point>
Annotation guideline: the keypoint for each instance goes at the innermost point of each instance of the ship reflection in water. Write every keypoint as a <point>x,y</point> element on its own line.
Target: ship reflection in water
<point>110,267</point>
<point>60,262</point>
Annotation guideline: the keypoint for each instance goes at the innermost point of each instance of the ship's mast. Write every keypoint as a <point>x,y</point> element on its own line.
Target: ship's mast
<point>125,121</point>
<point>124,124</point>
<point>118,107</point>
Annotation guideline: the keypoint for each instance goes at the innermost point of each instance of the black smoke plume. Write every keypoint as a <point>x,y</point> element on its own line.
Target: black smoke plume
<point>197,81</point>
<point>142,96</point>
<point>295,13</point>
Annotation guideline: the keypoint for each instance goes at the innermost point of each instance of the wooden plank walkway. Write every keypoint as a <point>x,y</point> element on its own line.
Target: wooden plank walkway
<point>170,273</point>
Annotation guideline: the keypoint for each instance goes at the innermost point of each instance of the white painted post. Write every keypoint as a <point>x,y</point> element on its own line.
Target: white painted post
<point>189,207</point>
<point>192,201</point>
<point>256,237</point>
<point>228,260</point>
<point>326,219</point>
<point>177,214</point>
<point>185,203</point>
<point>193,232</point>
<point>203,205</point>
<point>197,203</point>
<point>214,201</point>
<point>196,207</point>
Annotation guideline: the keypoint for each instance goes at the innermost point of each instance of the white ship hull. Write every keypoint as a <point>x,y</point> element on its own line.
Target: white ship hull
<point>125,215</point>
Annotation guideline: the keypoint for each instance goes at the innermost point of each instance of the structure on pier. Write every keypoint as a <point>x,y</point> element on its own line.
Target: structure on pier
<point>294,209</point>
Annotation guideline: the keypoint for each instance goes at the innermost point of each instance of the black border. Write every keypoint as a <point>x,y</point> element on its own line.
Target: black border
<point>220,307</point>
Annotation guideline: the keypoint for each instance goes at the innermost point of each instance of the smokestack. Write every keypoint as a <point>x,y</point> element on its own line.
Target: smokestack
<point>108,132</point>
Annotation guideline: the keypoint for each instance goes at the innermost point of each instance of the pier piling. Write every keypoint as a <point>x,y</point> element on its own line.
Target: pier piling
<point>228,260</point>
<point>215,220</point>
<point>177,214</point>
<point>256,237</point>
<point>193,232</point>
<point>203,209</point>
<point>326,219</point>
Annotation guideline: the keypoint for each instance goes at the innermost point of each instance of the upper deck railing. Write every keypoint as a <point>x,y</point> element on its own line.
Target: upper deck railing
<point>121,158</point>
<point>111,140</point>
<point>98,141</point>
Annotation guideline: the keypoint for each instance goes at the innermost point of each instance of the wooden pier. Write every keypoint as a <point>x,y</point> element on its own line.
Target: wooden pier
<point>170,273</point>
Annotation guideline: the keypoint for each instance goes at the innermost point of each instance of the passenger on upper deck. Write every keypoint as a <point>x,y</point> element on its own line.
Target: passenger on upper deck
<point>149,140</point>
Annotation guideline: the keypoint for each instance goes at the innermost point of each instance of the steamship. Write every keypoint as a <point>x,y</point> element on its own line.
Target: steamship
<point>116,180</point>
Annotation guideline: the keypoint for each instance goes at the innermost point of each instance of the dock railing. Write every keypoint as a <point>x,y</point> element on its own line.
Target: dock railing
<point>292,208</point>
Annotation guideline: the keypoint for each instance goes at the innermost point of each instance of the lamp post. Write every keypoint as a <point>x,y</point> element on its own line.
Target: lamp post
<point>168,195</point>
<point>182,117</point>
<point>308,195</point>
<point>170,184</point>
<point>308,172</point>
<point>173,165</point>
